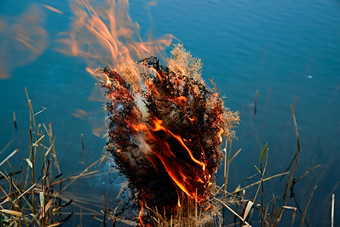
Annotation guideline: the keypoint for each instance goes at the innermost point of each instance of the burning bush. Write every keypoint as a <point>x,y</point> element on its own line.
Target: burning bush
<point>165,131</point>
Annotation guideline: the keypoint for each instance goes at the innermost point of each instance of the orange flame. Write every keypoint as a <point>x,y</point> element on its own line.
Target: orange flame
<point>177,170</point>
<point>105,34</point>
<point>159,127</point>
<point>140,216</point>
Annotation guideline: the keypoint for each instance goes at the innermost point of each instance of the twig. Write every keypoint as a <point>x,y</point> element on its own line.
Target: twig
<point>239,150</point>
<point>258,182</point>
<point>305,212</point>
<point>307,172</point>
<point>43,109</point>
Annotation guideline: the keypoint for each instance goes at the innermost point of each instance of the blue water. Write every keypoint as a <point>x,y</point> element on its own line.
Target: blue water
<point>287,50</point>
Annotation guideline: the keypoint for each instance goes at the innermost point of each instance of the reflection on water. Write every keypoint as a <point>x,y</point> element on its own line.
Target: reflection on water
<point>22,39</point>
<point>287,50</point>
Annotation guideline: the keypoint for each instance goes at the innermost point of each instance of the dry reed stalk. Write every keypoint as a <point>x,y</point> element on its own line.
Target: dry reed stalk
<point>305,212</point>
<point>84,172</point>
<point>5,148</point>
<point>332,210</point>
<point>258,182</point>
<point>15,121</point>
<point>9,156</point>
<point>34,199</point>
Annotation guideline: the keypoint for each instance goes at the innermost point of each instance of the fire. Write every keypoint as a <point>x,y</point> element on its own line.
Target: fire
<point>167,127</point>
<point>159,127</point>
<point>176,170</point>
<point>140,216</point>
<point>104,34</point>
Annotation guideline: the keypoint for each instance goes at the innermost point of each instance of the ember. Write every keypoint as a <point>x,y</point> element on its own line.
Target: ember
<point>165,131</point>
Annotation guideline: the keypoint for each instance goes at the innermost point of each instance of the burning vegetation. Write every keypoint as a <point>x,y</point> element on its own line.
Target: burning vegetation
<point>165,131</point>
<point>165,128</point>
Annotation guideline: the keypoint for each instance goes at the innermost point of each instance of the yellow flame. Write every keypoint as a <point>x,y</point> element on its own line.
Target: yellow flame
<point>105,34</point>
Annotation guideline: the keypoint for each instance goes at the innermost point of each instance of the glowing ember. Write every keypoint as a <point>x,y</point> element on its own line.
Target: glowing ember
<point>165,129</point>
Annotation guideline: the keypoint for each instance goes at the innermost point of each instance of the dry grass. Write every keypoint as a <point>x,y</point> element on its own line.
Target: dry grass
<point>34,193</point>
<point>28,198</point>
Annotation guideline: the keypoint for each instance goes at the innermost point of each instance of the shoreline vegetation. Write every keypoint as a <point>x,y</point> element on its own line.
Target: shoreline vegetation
<point>34,193</point>
<point>37,193</point>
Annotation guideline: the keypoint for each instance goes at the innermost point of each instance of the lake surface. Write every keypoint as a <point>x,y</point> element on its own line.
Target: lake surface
<point>288,51</point>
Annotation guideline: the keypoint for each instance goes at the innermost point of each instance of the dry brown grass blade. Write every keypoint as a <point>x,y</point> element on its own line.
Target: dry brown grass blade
<point>307,172</point>
<point>62,221</point>
<point>158,217</point>
<point>293,217</point>
<point>234,156</point>
<point>297,142</point>
<point>12,212</point>
<point>82,173</point>
<point>36,143</point>
<point>6,197</point>
<point>5,148</point>
<point>39,112</point>
<point>49,204</point>
<point>75,200</point>
<point>305,212</point>
<point>85,175</point>
<point>25,192</point>
<point>259,182</point>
